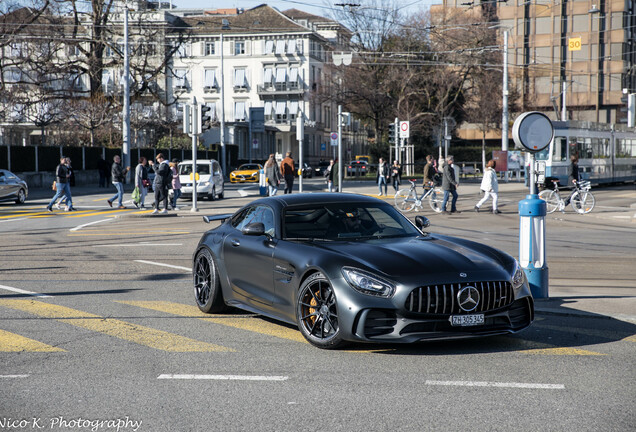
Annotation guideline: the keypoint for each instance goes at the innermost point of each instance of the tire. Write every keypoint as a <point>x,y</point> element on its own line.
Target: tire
<point>207,287</point>
<point>317,313</point>
<point>435,200</point>
<point>221,195</point>
<point>21,198</point>
<point>212,195</point>
<point>551,200</point>
<point>582,202</point>
<point>405,200</point>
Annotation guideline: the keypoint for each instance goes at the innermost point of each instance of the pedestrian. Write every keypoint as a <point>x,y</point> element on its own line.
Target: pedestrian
<point>272,173</point>
<point>163,177</point>
<point>429,173</point>
<point>396,175</point>
<point>141,174</point>
<point>573,176</point>
<point>102,168</point>
<point>71,183</point>
<point>383,176</point>
<point>329,173</point>
<point>490,186</point>
<point>287,169</point>
<point>62,186</point>
<point>334,175</point>
<point>176,183</point>
<point>449,185</point>
<point>118,174</point>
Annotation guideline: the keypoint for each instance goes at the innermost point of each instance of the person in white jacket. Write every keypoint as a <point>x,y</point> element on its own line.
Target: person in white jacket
<point>490,187</point>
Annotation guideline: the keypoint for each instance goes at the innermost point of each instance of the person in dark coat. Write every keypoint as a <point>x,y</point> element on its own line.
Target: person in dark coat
<point>62,186</point>
<point>396,175</point>
<point>163,176</point>
<point>573,175</point>
<point>449,185</point>
<point>118,174</point>
<point>272,173</point>
<point>287,169</point>
<point>383,176</point>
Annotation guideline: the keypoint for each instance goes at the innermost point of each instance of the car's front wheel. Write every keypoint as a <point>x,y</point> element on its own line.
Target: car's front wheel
<point>21,198</point>
<point>317,313</point>
<point>207,287</point>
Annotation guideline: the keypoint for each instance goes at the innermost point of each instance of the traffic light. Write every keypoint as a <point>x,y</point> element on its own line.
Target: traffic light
<point>392,134</point>
<point>187,126</point>
<point>206,119</point>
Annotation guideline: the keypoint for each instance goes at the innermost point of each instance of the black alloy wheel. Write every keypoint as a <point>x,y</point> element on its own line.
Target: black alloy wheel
<point>207,289</point>
<point>317,314</point>
<point>21,198</point>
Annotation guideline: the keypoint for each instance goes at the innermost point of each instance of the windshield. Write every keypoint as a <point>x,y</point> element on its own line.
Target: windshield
<point>202,169</point>
<point>246,167</point>
<point>345,221</point>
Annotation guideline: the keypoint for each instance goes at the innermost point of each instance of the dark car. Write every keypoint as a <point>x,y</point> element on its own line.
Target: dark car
<point>345,267</point>
<point>12,187</point>
<point>357,167</point>
<point>322,167</point>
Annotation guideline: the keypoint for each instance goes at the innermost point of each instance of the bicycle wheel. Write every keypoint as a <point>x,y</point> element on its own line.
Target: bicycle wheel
<point>435,199</point>
<point>582,202</point>
<point>405,199</point>
<point>551,200</point>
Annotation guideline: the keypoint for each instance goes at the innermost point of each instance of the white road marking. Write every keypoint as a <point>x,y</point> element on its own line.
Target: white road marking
<point>138,245</point>
<point>79,227</point>
<point>188,269</point>
<point>21,291</point>
<point>14,376</point>
<point>223,377</point>
<point>496,384</point>
<point>13,220</point>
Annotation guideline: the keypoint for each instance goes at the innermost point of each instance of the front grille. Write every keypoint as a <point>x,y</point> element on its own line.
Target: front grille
<point>442,299</point>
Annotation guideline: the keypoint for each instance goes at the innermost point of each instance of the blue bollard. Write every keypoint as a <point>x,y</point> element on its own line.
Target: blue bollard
<point>262,184</point>
<point>532,211</point>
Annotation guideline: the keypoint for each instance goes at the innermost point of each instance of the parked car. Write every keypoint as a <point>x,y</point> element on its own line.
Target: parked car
<point>357,167</point>
<point>12,187</point>
<point>246,173</point>
<point>210,182</point>
<point>352,268</point>
<point>322,167</point>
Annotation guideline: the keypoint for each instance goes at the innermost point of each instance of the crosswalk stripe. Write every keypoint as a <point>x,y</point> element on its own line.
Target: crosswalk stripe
<point>611,335</point>
<point>142,335</point>
<point>532,347</point>
<point>11,342</point>
<point>252,324</point>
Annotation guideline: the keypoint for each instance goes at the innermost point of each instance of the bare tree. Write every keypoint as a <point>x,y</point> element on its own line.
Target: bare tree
<point>91,114</point>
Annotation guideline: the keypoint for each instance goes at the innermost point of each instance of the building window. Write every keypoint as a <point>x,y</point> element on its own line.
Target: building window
<point>239,111</point>
<point>239,47</point>
<point>269,47</point>
<point>239,78</point>
<point>183,50</point>
<point>281,111</point>
<point>209,49</point>
<point>544,25</point>
<point>209,79</point>
<point>180,78</point>
<point>280,47</point>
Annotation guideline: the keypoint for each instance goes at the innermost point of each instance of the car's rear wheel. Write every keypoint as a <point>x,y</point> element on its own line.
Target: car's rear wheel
<point>21,198</point>
<point>207,287</point>
<point>317,313</point>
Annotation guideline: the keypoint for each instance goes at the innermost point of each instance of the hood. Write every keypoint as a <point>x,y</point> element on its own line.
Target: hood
<point>398,258</point>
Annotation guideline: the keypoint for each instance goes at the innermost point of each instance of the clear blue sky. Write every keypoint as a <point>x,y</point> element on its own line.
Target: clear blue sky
<point>317,7</point>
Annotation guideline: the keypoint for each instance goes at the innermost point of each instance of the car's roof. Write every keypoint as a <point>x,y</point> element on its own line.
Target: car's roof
<point>198,161</point>
<point>247,165</point>
<point>318,198</point>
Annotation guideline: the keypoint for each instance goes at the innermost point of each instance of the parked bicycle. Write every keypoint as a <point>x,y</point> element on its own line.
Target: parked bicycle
<point>407,199</point>
<point>582,200</point>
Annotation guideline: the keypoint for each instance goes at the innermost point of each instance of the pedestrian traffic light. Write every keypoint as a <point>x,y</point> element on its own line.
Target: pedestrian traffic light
<point>206,119</point>
<point>187,126</point>
<point>392,134</point>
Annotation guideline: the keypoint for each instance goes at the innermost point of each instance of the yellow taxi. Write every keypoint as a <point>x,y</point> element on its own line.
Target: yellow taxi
<point>246,173</point>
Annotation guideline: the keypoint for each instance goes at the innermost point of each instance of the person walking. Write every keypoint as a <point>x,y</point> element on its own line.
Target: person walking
<point>383,176</point>
<point>333,175</point>
<point>396,175</point>
<point>573,176</point>
<point>176,183</point>
<point>62,186</point>
<point>163,175</point>
<point>429,173</point>
<point>287,169</point>
<point>118,175</point>
<point>449,185</point>
<point>329,175</point>
<point>71,183</point>
<point>272,173</point>
<point>490,186</point>
<point>141,174</point>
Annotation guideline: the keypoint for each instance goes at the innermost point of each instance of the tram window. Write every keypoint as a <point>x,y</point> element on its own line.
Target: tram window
<point>625,148</point>
<point>560,149</point>
<point>601,148</point>
<point>581,147</point>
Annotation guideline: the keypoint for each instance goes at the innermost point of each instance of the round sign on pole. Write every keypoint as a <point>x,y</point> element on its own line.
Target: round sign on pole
<point>404,129</point>
<point>533,131</point>
<point>334,135</point>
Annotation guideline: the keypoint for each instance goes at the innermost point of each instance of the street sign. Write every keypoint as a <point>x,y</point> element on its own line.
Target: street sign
<point>255,143</point>
<point>533,131</point>
<point>574,44</point>
<point>334,139</point>
<point>323,146</point>
<point>404,129</point>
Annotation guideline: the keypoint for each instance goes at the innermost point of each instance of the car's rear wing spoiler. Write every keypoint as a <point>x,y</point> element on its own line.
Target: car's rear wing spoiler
<point>220,217</point>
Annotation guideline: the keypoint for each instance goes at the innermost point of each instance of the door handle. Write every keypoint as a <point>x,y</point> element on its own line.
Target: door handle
<point>235,242</point>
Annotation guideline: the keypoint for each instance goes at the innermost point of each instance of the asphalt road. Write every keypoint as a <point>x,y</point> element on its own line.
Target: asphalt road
<point>119,344</point>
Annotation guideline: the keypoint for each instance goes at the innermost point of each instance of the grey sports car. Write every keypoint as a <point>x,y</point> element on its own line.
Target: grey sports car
<point>346,267</point>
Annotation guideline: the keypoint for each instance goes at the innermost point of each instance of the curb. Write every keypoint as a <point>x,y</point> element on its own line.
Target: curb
<point>584,314</point>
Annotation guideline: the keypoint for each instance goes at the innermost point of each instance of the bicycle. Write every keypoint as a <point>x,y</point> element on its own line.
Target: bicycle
<point>407,199</point>
<point>582,200</point>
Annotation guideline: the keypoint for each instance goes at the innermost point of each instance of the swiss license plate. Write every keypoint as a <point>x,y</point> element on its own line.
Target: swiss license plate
<point>467,320</point>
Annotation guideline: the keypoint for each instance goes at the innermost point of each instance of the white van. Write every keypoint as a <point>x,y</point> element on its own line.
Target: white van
<point>210,176</point>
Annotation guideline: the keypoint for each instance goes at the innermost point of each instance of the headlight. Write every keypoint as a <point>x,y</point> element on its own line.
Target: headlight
<point>368,284</point>
<point>206,183</point>
<point>518,276</point>
<point>254,174</point>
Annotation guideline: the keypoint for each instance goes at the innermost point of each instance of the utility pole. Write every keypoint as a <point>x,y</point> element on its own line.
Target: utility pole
<point>340,148</point>
<point>504,115</point>
<point>222,125</point>
<point>126,107</point>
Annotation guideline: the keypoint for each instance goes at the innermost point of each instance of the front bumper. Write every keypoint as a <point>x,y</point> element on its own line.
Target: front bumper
<point>244,178</point>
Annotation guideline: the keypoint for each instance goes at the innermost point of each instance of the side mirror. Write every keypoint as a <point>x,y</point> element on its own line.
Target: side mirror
<point>422,222</point>
<point>206,219</point>
<point>254,229</point>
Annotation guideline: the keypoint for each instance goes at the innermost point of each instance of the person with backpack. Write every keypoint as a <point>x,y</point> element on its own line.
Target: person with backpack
<point>163,180</point>
<point>175,182</point>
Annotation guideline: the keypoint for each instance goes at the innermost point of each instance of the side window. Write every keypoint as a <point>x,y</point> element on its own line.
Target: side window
<point>262,214</point>
<point>244,218</point>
